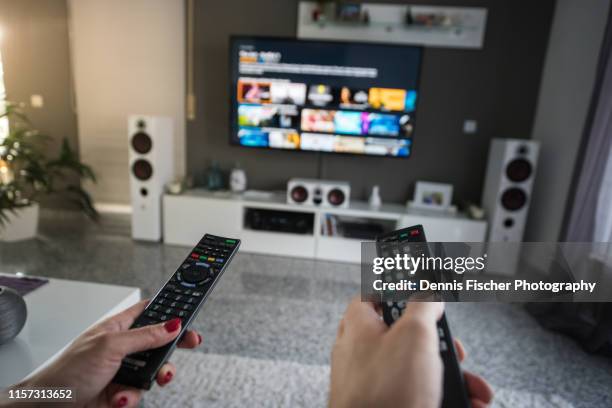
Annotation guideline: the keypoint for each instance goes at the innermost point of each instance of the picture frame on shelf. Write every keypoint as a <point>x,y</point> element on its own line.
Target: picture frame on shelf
<point>432,196</point>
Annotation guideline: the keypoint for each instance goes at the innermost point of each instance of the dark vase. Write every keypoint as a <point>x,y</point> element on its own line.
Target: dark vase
<point>13,314</point>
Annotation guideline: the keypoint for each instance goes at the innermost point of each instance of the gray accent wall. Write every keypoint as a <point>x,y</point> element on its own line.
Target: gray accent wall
<point>497,86</point>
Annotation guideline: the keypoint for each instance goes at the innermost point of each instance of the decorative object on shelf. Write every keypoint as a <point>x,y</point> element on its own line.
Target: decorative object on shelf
<point>375,201</point>
<point>214,177</point>
<point>351,13</point>
<point>432,196</point>
<point>174,187</point>
<point>13,314</point>
<point>238,179</point>
<point>475,212</point>
<point>27,173</point>
<point>459,27</point>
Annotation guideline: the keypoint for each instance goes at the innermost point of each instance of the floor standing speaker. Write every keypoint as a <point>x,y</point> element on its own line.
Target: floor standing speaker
<point>151,160</point>
<point>506,198</point>
<point>507,188</point>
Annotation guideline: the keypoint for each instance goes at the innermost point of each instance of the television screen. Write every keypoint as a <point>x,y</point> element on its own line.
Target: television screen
<point>324,96</point>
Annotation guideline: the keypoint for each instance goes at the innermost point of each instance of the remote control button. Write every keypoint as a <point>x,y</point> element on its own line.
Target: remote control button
<point>155,307</point>
<point>190,300</point>
<point>443,346</point>
<point>197,294</point>
<point>183,283</point>
<point>163,318</point>
<point>151,314</point>
<point>135,362</point>
<point>197,273</point>
<point>188,307</point>
<point>143,321</point>
<point>395,313</point>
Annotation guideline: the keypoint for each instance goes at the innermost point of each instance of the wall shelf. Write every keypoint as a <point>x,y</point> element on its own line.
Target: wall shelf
<point>459,27</point>
<point>186,217</point>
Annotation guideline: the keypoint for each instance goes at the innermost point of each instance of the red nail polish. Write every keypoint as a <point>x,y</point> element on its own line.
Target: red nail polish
<point>199,339</point>
<point>172,325</point>
<point>121,402</point>
<point>168,377</point>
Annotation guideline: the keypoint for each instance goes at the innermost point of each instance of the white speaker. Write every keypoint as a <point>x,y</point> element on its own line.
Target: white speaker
<point>508,185</point>
<point>324,193</point>
<point>151,160</point>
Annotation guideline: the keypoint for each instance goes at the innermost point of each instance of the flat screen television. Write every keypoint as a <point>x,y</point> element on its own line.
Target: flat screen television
<point>337,97</point>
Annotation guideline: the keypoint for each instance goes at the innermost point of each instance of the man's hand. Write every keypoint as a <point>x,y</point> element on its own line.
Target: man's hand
<point>400,366</point>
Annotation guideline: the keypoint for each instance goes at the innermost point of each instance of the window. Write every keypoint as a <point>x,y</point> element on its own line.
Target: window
<point>4,125</point>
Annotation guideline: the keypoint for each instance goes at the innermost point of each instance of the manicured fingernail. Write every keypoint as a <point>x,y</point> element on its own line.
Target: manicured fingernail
<point>168,377</point>
<point>172,325</point>
<point>199,339</point>
<point>121,402</point>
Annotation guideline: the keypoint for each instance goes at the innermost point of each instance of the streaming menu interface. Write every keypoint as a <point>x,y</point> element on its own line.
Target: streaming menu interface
<point>324,96</point>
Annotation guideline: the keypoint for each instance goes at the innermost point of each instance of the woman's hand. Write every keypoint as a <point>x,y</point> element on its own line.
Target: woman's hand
<point>399,366</point>
<point>89,364</point>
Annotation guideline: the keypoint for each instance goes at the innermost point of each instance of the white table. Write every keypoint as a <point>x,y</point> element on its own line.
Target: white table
<point>57,313</point>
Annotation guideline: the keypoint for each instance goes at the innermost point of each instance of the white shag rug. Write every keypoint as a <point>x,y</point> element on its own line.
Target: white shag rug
<point>212,381</point>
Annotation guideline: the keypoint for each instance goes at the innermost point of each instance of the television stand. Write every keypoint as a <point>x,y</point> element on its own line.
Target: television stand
<point>336,236</point>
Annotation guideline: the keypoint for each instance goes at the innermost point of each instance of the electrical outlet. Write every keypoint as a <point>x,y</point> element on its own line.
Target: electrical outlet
<point>37,101</point>
<point>470,126</point>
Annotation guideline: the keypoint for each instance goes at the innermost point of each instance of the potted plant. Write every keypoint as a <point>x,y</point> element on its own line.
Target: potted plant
<point>27,173</point>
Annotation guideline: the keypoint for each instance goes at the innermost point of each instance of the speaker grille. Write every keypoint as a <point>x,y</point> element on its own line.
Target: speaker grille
<point>142,169</point>
<point>514,199</point>
<point>335,197</point>
<point>299,194</point>
<point>142,143</point>
<point>518,170</point>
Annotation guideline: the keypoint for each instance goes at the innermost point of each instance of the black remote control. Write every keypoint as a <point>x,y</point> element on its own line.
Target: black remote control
<point>182,296</point>
<point>412,240</point>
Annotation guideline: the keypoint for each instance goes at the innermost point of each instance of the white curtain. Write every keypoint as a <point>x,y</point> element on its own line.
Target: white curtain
<point>603,216</point>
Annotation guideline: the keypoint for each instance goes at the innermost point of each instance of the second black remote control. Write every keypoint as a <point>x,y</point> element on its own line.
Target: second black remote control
<point>412,241</point>
<point>182,296</point>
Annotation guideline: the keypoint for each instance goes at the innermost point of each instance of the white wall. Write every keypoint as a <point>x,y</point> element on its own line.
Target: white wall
<point>565,95</point>
<point>128,56</point>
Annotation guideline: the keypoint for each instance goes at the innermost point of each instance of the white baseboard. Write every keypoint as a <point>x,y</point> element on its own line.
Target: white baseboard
<point>112,208</point>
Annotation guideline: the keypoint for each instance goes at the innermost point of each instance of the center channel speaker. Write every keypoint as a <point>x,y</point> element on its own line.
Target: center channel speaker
<point>151,160</point>
<point>508,186</point>
<point>324,193</point>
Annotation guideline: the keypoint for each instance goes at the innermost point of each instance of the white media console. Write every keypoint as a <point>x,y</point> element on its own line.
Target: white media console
<point>186,217</point>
